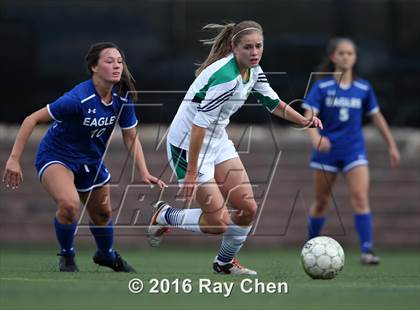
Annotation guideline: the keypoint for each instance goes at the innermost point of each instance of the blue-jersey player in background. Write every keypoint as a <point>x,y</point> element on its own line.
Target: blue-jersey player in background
<point>70,156</point>
<point>341,100</point>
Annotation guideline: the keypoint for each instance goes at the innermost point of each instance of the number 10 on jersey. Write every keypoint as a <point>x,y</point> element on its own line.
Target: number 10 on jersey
<point>97,133</point>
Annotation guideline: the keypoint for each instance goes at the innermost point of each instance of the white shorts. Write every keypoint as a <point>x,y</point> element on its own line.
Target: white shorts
<point>221,151</point>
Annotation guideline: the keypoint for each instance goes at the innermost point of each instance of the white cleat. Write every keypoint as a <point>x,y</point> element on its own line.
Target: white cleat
<point>232,268</point>
<point>156,231</point>
<point>369,259</point>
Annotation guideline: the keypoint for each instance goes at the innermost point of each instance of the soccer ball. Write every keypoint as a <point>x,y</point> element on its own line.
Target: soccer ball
<point>322,258</point>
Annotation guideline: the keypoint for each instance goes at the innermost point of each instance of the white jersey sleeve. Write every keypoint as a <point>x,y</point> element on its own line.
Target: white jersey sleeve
<point>264,93</point>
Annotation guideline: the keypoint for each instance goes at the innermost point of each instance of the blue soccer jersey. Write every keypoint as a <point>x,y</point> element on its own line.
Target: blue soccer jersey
<point>341,110</point>
<point>83,123</point>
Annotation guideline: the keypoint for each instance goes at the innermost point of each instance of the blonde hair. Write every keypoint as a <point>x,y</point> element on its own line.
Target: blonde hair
<point>229,33</point>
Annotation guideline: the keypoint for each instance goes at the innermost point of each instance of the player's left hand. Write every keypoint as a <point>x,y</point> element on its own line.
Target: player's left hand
<point>150,179</point>
<point>189,187</point>
<point>394,157</point>
<point>314,122</point>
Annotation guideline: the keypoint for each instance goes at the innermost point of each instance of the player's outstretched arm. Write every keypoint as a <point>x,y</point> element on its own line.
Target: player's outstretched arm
<point>379,121</point>
<point>287,112</point>
<point>133,145</point>
<point>320,143</point>
<point>13,175</point>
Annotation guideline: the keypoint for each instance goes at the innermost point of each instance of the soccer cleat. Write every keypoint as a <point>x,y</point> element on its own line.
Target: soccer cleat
<point>233,268</point>
<point>156,231</point>
<point>67,263</point>
<point>369,258</point>
<point>118,265</point>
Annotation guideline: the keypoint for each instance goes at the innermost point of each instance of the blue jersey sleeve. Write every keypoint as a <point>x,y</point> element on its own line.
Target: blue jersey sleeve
<point>128,117</point>
<point>313,99</point>
<point>370,104</point>
<point>64,108</point>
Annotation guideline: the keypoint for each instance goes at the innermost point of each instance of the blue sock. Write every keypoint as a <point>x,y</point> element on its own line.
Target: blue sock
<point>315,225</point>
<point>104,237</point>
<point>65,236</point>
<point>363,224</point>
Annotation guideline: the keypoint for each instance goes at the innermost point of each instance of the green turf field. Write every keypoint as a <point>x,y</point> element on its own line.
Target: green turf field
<point>29,280</point>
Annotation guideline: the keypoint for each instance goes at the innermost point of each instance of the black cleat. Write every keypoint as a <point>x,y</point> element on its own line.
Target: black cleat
<point>67,263</point>
<point>119,265</point>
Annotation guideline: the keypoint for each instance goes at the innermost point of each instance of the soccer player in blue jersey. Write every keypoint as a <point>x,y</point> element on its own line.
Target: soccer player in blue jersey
<point>201,154</point>
<point>341,100</point>
<point>70,156</point>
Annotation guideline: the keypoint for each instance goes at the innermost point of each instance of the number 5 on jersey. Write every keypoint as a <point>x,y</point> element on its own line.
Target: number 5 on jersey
<point>344,114</point>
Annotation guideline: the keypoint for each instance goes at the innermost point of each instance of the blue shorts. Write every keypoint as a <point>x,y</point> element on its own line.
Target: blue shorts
<point>86,176</point>
<point>339,161</point>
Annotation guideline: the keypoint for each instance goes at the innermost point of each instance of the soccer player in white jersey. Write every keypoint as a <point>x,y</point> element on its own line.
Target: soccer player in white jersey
<point>202,156</point>
<point>341,100</point>
<point>70,156</point>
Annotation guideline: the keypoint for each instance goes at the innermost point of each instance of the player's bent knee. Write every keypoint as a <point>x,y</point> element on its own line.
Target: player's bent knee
<point>320,206</point>
<point>68,209</point>
<point>360,202</point>
<point>101,217</point>
<point>250,212</point>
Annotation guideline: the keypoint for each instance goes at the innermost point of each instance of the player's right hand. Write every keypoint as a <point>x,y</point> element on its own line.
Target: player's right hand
<point>394,157</point>
<point>322,145</point>
<point>189,186</point>
<point>12,175</point>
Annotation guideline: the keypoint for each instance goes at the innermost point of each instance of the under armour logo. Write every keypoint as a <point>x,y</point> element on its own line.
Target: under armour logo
<point>91,111</point>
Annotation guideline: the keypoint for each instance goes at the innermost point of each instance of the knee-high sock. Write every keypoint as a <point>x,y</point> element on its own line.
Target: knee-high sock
<point>232,242</point>
<point>315,225</point>
<point>65,236</point>
<point>104,238</point>
<point>363,225</point>
<point>187,219</point>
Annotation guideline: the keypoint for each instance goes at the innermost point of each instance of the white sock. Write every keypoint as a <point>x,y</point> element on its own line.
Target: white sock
<point>232,242</point>
<point>187,219</point>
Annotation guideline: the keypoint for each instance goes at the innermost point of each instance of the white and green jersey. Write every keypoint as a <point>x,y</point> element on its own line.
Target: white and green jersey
<point>213,97</point>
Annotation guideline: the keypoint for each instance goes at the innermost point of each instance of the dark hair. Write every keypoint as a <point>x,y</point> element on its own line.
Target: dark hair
<point>327,65</point>
<point>126,84</point>
<point>221,43</point>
